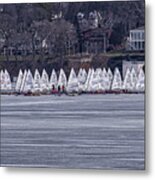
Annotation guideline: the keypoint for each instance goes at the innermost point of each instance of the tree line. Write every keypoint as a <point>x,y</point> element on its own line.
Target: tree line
<point>51,28</point>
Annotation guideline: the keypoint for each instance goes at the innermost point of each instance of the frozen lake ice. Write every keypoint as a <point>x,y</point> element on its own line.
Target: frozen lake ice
<point>87,131</point>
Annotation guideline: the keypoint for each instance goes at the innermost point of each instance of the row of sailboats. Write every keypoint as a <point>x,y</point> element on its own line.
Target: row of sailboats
<point>93,81</point>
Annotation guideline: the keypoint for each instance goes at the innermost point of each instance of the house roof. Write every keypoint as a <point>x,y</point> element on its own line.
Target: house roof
<point>139,28</point>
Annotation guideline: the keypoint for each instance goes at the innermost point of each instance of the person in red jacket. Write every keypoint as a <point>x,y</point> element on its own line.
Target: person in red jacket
<point>53,89</point>
<point>63,88</point>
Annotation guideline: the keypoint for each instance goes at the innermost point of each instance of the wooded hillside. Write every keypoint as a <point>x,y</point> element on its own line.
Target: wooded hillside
<point>51,28</point>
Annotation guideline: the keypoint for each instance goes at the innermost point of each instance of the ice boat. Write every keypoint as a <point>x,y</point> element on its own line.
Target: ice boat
<point>28,84</point>
<point>140,85</point>
<point>95,81</point>
<point>84,74</point>
<point>133,80</point>
<point>100,85</point>
<point>86,84</point>
<point>62,80</point>
<point>106,80</point>
<point>44,82</point>
<point>127,83</point>
<point>89,83</point>
<point>36,82</point>
<point>2,80</point>
<point>53,81</point>
<point>23,81</point>
<point>110,74</point>
<point>19,81</point>
<point>6,85</point>
<point>80,73</point>
<point>117,81</point>
<point>82,77</point>
<point>72,85</point>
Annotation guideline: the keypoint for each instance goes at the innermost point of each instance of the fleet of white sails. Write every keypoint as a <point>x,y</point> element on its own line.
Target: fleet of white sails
<point>91,81</point>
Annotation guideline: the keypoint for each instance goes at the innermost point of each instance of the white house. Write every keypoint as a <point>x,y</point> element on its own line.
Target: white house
<point>136,39</point>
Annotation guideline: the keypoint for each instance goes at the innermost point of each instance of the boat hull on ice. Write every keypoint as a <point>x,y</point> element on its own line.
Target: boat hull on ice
<point>93,81</point>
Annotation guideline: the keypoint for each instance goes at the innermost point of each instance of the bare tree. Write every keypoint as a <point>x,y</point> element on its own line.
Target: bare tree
<point>62,37</point>
<point>7,28</point>
<point>21,41</point>
<point>40,31</point>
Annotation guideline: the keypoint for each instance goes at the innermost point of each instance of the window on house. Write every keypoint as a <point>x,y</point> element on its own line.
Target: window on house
<point>131,36</point>
<point>143,45</point>
<point>135,36</point>
<point>136,45</point>
<point>139,35</point>
<point>143,36</point>
<point>139,45</point>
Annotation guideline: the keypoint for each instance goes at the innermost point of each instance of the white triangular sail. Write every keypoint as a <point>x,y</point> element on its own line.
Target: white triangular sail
<point>36,81</point>
<point>99,81</point>
<point>82,77</point>
<point>72,85</point>
<point>95,79</point>
<point>133,79</point>
<point>62,81</point>
<point>53,80</point>
<point>140,85</point>
<point>127,83</point>
<point>23,81</point>
<point>28,85</point>
<point>19,81</point>
<point>110,74</point>
<point>80,73</point>
<point>2,80</point>
<point>117,80</point>
<point>106,80</point>
<point>89,81</point>
<point>104,71</point>
<point>86,85</point>
<point>8,85</point>
<point>44,84</point>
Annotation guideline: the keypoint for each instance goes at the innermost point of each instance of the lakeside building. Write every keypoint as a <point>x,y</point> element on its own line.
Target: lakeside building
<point>92,37</point>
<point>136,39</point>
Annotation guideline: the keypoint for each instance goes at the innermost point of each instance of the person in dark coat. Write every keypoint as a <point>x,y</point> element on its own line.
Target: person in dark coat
<point>59,90</point>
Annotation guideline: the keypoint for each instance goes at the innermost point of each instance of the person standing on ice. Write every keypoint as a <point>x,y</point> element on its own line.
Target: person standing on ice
<point>59,90</point>
<point>63,88</point>
<point>53,89</point>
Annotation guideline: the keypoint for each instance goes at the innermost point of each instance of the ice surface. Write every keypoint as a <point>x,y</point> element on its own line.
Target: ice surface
<point>87,131</point>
